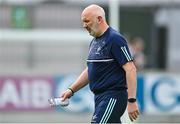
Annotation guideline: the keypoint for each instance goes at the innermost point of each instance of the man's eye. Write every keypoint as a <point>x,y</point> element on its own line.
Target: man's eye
<point>86,21</point>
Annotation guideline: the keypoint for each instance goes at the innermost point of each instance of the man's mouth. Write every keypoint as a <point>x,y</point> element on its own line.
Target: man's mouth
<point>88,29</point>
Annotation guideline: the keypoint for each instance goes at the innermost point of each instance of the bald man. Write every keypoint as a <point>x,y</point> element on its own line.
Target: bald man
<point>110,71</point>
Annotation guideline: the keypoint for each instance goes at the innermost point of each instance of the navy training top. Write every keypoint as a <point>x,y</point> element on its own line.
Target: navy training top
<point>107,54</point>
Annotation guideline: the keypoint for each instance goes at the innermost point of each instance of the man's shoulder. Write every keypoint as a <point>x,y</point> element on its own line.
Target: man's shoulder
<point>114,34</point>
<point>117,38</point>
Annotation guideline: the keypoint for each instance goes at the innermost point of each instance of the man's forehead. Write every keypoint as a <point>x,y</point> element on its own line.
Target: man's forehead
<point>86,13</point>
<point>86,16</point>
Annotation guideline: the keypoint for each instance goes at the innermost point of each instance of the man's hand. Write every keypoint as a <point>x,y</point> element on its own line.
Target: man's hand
<point>66,94</point>
<point>133,111</point>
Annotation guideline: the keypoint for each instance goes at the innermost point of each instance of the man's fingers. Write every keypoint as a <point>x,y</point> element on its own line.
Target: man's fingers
<point>62,95</point>
<point>133,115</point>
<point>137,112</point>
<point>130,117</point>
<point>62,99</point>
<point>65,95</point>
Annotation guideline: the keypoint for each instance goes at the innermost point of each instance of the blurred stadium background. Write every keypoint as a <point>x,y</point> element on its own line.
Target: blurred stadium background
<point>43,48</point>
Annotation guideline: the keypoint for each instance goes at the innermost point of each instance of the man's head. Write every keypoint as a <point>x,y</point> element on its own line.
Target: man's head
<point>93,18</point>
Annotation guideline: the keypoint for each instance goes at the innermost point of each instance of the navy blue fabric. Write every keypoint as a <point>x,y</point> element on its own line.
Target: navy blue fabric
<point>105,113</point>
<point>106,56</point>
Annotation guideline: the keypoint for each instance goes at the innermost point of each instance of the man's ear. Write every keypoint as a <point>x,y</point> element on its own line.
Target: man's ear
<point>100,19</point>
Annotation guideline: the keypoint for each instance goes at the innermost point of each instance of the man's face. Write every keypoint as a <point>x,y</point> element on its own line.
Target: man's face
<point>90,24</point>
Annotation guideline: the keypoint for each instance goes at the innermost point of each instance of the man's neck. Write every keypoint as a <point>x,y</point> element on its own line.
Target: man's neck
<point>104,29</point>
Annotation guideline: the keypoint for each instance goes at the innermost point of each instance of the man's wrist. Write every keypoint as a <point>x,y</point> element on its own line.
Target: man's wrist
<point>72,91</point>
<point>131,100</point>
